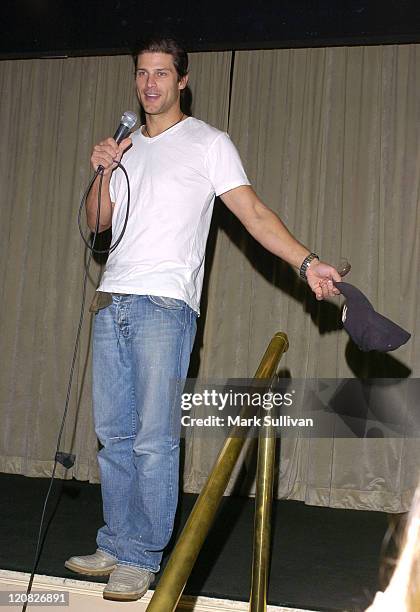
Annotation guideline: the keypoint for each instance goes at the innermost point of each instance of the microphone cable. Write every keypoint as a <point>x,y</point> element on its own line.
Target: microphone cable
<point>66,459</point>
<point>112,248</point>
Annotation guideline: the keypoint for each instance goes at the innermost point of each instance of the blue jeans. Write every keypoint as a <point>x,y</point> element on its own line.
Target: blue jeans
<point>141,351</point>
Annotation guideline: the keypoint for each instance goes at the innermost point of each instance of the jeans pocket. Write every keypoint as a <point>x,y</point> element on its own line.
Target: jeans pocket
<point>166,302</point>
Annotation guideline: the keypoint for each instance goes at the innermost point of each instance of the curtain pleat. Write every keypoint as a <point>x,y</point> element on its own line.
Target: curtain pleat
<point>329,139</point>
<point>53,111</point>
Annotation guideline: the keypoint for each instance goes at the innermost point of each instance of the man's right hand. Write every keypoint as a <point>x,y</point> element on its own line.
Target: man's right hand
<point>107,152</point>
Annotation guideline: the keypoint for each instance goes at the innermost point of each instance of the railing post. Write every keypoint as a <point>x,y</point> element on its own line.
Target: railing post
<point>262,519</point>
<point>180,564</point>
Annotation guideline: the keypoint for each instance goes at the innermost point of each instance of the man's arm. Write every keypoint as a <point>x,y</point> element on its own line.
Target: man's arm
<point>104,154</point>
<point>268,229</point>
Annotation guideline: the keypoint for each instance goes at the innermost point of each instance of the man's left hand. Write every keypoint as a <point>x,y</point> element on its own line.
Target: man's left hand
<point>320,277</point>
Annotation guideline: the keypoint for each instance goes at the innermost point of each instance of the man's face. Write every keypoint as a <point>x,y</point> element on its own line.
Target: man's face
<point>157,84</point>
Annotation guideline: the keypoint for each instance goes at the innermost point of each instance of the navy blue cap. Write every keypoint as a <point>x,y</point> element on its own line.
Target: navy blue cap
<point>367,328</point>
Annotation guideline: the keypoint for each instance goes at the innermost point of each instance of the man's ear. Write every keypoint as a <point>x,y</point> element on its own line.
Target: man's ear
<point>182,83</point>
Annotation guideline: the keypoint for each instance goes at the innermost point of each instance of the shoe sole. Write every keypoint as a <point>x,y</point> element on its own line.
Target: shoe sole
<point>78,569</point>
<point>116,596</point>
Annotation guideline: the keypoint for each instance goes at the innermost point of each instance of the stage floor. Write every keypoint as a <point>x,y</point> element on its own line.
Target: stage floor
<point>86,596</point>
<point>323,559</point>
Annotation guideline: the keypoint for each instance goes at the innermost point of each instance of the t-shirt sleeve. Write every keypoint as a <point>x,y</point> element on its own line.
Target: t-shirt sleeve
<point>224,166</point>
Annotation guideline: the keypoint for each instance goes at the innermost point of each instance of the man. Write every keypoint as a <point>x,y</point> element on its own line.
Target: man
<point>143,338</point>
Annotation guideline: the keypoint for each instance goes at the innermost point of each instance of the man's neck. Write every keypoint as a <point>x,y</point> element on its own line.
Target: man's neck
<point>156,124</point>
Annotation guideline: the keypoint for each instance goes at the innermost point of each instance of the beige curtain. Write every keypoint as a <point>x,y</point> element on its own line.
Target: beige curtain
<point>329,139</point>
<point>53,111</point>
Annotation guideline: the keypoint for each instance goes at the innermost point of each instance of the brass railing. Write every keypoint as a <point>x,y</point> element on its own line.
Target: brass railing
<point>181,562</point>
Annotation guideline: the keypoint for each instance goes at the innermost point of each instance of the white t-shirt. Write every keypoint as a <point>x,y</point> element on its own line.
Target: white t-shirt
<point>174,178</point>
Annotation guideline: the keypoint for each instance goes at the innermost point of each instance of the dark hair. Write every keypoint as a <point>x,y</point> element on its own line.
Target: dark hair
<point>165,45</point>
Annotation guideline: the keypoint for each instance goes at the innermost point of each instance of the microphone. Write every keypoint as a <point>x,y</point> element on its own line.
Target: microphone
<point>128,121</point>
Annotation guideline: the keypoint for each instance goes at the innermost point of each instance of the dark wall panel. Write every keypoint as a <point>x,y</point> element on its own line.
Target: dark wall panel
<point>36,28</point>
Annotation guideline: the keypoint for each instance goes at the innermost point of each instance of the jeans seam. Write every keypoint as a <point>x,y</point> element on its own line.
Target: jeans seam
<point>108,552</point>
<point>133,411</point>
<point>149,569</point>
<point>174,402</point>
<point>133,391</point>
